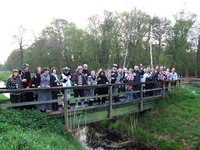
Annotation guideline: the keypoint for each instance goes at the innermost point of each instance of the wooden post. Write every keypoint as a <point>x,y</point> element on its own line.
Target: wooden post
<point>141,97</point>
<point>164,91</point>
<point>66,109</point>
<point>110,102</point>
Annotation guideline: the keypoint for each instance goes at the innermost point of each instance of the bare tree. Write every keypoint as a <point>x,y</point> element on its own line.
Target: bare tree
<point>20,41</point>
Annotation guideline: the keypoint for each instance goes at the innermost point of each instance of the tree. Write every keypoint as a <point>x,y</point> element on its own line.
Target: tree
<point>20,41</point>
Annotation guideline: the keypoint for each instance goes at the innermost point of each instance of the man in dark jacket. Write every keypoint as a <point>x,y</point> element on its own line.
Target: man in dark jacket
<point>26,83</point>
<point>137,78</point>
<point>79,80</point>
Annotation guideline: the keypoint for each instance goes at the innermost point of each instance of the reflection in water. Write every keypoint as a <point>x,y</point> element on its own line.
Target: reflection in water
<point>2,85</point>
<point>92,137</point>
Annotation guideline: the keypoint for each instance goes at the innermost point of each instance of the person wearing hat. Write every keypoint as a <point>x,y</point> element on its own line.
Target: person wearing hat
<point>102,79</point>
<point>113,78</point>
<point>46,95</point>
<point>65,76</point>
<point>14,82</point>
<point>26,83</point>
<point>79,79</point>
<point>65,80</point>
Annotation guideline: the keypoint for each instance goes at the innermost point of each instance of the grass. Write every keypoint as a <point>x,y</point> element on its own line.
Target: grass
<point>173,124</point>
<point>32,130</point>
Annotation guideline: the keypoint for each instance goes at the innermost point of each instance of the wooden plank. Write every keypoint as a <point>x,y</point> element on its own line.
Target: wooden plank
<point>65,109</point>
<point>164,91</point>
<point>110,102</point>
<point>72,87</point>
<point>84,117</point>
<point>141,98</point>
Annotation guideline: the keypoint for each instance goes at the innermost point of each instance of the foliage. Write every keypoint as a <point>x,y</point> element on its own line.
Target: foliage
<point>104,42</point>
<point>30,129</point>
<point>4,76</point>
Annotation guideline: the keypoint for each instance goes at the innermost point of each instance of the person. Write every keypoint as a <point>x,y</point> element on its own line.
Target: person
<point>161,77</point>
<point>102,79</point>
<point>129,79</point>
<point>148,78</point>
<point>86,73</point>
<point>14,82</point>
<point>156,78</point>
<point>168,73</point>
<point>45,95</point>
<point>92,80</point>
<point>26,83</point>
<point>79,80</point>
<point>65,79</point>
<point>54,83</point>
<point>113,77</point>
<point>36,81</point>
<point>173,77</point>
<point>121,79</point>
<point>137,73</point>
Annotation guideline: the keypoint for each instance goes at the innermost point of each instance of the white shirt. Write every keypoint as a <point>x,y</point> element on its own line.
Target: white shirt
<point>173,76</point>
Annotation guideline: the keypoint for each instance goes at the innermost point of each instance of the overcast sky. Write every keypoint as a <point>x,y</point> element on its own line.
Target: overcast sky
<point>35,15</point>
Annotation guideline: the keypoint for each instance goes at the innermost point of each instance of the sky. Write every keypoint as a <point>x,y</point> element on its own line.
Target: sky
<point>35,15</point>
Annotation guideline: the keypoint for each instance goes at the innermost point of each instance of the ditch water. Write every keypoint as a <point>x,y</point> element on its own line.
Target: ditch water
<point>93,137</point>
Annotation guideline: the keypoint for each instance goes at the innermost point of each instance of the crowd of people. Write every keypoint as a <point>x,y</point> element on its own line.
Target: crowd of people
<point>44,78</point>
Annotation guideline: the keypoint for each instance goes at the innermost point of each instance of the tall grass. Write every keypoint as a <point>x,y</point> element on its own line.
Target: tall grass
<point>174,123</point>
<point>32,130</point>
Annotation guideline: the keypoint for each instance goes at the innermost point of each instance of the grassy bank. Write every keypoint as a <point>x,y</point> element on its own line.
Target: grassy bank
<point>173,124</point>
<point>32,130</point>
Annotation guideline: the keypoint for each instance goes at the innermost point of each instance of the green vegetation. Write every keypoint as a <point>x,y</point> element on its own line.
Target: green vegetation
<point>172,124</point>
<point>32,130</point>
<point>104,42</point>
<point>4,76</point>
<point>2,97</point>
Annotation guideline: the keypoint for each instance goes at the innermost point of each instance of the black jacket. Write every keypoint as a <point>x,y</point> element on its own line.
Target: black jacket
<point>137,77</point>
<point>15,84</point>
<point>36,80</point>
<point>53,81</point>
<point>26,75</point>
<point>102,80</point>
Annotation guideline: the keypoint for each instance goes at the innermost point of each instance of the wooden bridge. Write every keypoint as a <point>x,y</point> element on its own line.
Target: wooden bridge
<point>89,114</point>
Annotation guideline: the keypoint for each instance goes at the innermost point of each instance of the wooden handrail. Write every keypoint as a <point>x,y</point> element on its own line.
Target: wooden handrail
<point>77,98</point>
<point>76,87</point>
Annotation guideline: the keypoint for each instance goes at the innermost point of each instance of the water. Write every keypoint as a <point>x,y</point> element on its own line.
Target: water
<point>2,85</point>
<point>93,137</point>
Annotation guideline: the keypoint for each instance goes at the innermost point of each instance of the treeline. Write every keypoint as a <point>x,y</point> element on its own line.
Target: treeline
<point>105,39</point>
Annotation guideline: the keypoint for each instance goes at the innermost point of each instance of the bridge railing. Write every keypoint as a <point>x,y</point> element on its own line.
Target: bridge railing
<point>160,86</point>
